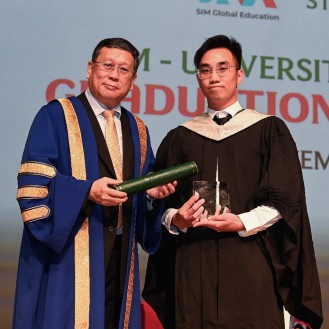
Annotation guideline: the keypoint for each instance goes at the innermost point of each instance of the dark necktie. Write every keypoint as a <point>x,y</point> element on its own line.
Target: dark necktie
<point>222,121</point>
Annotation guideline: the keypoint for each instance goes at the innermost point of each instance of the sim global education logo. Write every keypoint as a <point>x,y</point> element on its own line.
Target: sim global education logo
<point>247,3</point>
<point>222,8</point>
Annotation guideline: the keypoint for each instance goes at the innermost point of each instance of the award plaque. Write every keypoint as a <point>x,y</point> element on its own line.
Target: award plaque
<point>157,178</point>
<point>214,193</point>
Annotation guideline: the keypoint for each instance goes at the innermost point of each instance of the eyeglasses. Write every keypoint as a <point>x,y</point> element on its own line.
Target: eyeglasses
<point>221,69</point>
<point>108,67</point>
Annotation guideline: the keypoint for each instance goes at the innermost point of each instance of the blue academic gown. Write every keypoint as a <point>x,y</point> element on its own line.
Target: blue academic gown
<point>51,202</point>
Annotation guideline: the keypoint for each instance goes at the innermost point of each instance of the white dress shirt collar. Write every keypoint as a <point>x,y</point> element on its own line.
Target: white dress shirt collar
<point>98,107</point>
<point>232,109</point>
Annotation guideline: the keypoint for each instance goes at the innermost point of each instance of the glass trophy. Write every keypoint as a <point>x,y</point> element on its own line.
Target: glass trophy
<point>214,193</point>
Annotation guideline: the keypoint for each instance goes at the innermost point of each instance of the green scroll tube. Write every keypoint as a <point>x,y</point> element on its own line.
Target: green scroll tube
<point>160,177</point>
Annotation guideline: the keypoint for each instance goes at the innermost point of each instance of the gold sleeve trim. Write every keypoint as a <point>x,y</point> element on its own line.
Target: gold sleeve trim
<point>35,213</point>
<point>37,168</point>
<point>143,140</point>
<point>32,192</point>
<point>81,240</point>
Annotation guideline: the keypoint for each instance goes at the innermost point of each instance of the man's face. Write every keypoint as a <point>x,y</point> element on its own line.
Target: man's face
<point>220,91</point>
<point>107,87</point>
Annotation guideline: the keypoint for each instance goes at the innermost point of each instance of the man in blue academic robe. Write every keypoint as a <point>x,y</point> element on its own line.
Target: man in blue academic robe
<point>78,264</point>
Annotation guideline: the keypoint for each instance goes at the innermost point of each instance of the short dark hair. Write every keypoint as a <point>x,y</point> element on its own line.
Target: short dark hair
<point>219,41</point>
<point>118,43</point>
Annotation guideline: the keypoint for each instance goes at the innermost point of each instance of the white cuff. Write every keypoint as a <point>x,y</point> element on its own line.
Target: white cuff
<point>166,221</point>
<point>258,219</point>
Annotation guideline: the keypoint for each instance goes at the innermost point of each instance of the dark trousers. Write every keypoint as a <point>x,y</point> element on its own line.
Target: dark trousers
<point>113,296</point>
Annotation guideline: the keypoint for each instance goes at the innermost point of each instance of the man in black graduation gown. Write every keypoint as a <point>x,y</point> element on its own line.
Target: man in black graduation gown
<point>241,267</point>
